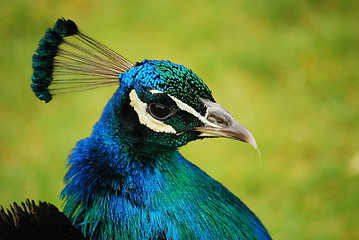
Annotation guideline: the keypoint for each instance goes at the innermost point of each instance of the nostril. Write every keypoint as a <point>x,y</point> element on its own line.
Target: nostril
<point>211,119</point>
<point>217,120</point>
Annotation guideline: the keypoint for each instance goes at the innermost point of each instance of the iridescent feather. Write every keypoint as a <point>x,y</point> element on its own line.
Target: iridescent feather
<point>68,60</point>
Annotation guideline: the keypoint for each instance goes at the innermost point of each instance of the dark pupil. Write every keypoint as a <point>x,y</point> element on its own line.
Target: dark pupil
<point>159,111</point>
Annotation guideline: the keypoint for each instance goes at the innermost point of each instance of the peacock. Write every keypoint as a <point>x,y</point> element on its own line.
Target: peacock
<point>127,180</point>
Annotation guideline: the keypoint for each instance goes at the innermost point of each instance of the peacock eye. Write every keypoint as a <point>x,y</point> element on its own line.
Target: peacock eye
<point>159,111</point>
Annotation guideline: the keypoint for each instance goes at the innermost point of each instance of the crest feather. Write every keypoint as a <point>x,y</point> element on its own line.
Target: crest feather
<point>68,61</point>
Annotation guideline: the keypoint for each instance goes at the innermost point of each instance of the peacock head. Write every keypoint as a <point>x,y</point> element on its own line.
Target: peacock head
<point>171,106</point>
<point>158,104</point>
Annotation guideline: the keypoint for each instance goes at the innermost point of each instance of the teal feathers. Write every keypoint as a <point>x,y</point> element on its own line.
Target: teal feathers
<point>67,60</point>
<point>43,59</point>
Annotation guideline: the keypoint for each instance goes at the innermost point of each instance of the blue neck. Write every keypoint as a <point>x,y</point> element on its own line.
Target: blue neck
<point>119,189</point>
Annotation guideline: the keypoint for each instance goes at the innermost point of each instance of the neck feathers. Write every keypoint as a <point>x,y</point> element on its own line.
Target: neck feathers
<point>110,195</point>
<point>108,190</point>
<point>119,189</point>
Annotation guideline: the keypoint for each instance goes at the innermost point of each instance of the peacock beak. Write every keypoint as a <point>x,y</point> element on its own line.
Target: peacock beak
<point>220,123</point>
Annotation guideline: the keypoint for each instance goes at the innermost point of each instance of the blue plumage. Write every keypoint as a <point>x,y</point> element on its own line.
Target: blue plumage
<point>128,180</point>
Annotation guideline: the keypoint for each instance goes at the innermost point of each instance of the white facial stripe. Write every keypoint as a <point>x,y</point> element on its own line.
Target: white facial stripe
<point>154,91</point>
<point>145,118</point>
<point>181,105</point>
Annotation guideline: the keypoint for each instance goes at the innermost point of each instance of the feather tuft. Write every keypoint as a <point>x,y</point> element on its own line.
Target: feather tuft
<point>36,221</point>
<point>65,27</point>
<point>68,61</point>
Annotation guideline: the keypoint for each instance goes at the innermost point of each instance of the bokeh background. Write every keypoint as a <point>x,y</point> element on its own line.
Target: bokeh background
<point>288,70</point>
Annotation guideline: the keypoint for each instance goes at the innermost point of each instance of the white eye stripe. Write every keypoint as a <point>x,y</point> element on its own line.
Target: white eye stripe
<point>145,118</point>
<point>181,105</point>
<point>154,91</point>
<point>185,107</point>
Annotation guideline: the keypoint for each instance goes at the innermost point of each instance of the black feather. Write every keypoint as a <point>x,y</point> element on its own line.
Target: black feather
<point>31,221</point>
<point>66,27</point>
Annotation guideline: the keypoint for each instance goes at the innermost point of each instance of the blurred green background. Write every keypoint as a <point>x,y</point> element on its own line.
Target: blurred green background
<point>288,70</point>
